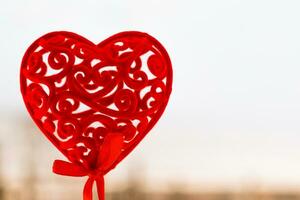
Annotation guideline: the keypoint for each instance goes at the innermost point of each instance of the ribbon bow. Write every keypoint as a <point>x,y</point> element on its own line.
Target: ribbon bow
<point>108,154</point>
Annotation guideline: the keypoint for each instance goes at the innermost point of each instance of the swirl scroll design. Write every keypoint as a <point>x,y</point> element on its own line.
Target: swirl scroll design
<point>78,92</point>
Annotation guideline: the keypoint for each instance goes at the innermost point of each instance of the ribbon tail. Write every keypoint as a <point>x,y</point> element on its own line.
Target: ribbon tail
<point>100,188</point>
<point>88,189</point>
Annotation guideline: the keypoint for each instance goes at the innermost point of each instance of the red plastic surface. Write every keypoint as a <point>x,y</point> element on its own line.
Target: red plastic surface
<point>95,103</point>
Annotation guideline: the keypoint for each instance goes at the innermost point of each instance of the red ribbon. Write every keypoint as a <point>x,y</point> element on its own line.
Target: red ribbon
<point>109,152</point>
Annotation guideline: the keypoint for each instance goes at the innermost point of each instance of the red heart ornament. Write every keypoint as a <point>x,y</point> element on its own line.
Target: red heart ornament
<point>95,103</point>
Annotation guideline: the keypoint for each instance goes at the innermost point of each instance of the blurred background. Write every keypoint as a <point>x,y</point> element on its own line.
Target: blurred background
<point>231,130</point>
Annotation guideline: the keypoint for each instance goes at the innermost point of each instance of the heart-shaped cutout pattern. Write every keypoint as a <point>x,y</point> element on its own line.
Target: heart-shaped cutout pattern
<point>79,93</point>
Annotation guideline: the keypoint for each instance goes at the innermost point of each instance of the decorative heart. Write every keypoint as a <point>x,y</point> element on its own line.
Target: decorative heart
<point>82,96</point>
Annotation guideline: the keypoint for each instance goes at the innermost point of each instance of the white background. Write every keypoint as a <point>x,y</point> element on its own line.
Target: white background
<point>234,113</point>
